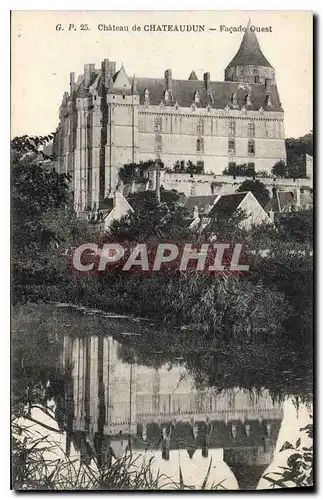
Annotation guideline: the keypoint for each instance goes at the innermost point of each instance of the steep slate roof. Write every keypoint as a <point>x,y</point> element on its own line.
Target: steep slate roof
<point>201,202</point>
<point>227,204</point>
<point>249,52</point>
<point>222,92</point>
<point>183,92</point>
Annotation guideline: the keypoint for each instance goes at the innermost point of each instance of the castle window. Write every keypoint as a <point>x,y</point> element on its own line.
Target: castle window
<point>197,97</point>
<point>257,79</point>
<point>231,146</point>
<point>251,129</point>
<point>248,100</point>
<point>146,96</point>
<point>158,124</point>
<point>232,127</point>
<point>251,165</point>
<point>200,146</point>
<point>200,127</point>
<point>158,144</point>
<point>251,147</point>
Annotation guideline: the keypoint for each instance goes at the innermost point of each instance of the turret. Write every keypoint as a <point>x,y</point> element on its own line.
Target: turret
<point>249,65</point>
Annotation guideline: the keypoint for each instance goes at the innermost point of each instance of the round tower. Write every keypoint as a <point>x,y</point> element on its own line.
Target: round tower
<point>249,65</point>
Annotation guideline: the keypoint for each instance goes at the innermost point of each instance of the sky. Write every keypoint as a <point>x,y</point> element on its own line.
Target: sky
<point>42,56</point>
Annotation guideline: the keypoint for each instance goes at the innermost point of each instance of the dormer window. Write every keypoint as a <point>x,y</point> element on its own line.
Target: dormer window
<point>235,99</point>
<point>268,100</point>
<point>197,97</point>
<point>166,95</point>
<point>248,100</point>
<point>146,95</point>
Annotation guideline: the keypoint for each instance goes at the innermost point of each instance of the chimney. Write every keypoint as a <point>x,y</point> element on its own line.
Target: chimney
<point>108,70</point>
<point>271,215</point>
<point>168,78</point>
<point>267,84</point>
<point>88,68</point>
<point>206,77</point>
<point>72,82</point>
<point>298,196</point>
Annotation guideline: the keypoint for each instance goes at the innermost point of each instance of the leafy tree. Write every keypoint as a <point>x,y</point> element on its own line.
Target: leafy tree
<point>150,218</point>
<point>258,189</point>
<point>296,149</point>
<point>242,170</point>
<point>44,226</point>
<point>134,171</point>
<point>280,169</point>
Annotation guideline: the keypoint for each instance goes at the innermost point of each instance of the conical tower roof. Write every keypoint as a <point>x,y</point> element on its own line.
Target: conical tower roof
<point>249,52</point>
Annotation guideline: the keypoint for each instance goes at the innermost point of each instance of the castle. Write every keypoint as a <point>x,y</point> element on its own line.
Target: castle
<point>108,120</point>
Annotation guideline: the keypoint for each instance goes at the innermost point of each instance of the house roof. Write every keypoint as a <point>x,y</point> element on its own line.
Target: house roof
<point>249,52</point>
<point>227,204</point>
<point>201,202</point>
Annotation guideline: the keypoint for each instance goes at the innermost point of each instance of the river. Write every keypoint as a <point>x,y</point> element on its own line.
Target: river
<point>116,397</point>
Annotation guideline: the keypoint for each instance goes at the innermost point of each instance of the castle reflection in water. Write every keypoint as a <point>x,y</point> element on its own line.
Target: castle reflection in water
<point>110,405</point>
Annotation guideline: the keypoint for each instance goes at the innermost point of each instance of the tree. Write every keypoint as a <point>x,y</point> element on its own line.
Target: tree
<point>258,189</point>
<point>150,218</point>
<point>44,226</point>
<point>296,149</point>
<point>35,192</point>
<point>280,169</point>
<point>242,170</point>
<point>134,171</point>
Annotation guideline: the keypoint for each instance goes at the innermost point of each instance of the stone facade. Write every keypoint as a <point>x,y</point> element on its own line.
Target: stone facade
<point>108,120</point>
